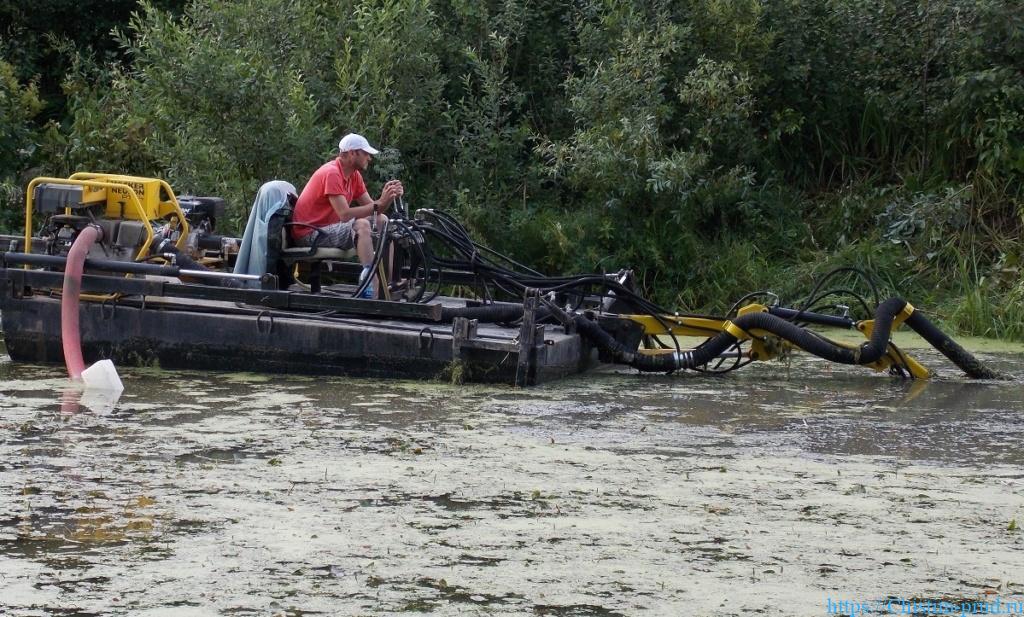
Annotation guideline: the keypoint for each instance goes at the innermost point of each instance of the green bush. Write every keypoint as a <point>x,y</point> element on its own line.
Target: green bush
<point>715,147</point>
<point>19,104</point>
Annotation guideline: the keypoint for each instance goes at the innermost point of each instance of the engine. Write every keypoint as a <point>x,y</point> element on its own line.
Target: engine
<point>139,218</point>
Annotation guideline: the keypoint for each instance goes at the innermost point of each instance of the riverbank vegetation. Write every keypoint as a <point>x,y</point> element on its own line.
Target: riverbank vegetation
<point>717,147</point>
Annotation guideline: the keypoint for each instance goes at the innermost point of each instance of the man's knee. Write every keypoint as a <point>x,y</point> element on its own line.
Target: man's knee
<point>361,227</point>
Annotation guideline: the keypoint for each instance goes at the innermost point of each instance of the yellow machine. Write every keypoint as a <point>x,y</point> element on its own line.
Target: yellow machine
<point>133,211</point>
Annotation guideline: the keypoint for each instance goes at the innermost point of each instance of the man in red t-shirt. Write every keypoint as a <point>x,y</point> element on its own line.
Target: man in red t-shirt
<point>335,200</point>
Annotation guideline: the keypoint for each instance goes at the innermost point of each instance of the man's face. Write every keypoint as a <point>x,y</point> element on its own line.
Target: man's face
<point>360,160</point>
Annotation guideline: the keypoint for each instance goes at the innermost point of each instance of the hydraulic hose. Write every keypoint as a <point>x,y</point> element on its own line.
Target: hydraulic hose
<point>490,313</point>
<point>660,363</point>
<point>378,254</point>
<point>867,353</point>
<point>71,337</point>
<point>469,256</point>
<point>710,349</point>
<point>949,348</point>
<point>182,260</point>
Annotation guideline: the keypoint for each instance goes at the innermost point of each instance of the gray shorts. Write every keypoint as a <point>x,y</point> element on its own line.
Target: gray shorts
<point>337,235</point>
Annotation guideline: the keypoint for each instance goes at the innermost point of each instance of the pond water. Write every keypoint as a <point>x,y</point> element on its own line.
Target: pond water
<point>782,489</point>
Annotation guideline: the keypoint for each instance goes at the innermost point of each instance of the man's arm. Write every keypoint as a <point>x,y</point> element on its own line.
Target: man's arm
<point>347,212</point>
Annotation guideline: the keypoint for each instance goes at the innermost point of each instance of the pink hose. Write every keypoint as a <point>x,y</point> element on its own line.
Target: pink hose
<point>70,336</point>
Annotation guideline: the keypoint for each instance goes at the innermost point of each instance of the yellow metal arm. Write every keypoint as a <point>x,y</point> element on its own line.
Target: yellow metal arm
<point>764,345</point>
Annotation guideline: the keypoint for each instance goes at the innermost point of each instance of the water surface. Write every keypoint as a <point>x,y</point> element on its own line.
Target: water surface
<point>768,491</point>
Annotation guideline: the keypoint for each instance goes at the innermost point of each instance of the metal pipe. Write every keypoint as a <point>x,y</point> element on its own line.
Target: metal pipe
<point>124,267</point>
<point>815,318</point>
<point>103,265</point>
<point>213,274</point>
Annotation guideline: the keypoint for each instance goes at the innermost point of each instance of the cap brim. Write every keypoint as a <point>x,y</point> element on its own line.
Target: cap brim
<point>370,150</point>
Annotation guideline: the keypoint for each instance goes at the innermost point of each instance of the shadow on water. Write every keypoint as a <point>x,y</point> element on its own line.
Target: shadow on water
<point>832,412</point>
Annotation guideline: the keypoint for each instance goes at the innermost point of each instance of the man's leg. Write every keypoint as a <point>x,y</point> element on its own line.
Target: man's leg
<point>364,241</point>
<point>364,247</point>
<point>335,235</point>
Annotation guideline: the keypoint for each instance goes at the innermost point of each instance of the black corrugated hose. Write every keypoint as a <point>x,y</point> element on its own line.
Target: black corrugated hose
<point>490,313</point>
<point>949,348</point>
<point>867,353</point>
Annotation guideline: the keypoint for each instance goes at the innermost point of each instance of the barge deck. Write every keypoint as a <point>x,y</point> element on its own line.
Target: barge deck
<point>176,325</point>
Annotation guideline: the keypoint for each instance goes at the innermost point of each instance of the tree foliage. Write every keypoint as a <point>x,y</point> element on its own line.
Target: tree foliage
<point>19,104</point>
<point>679,137</point>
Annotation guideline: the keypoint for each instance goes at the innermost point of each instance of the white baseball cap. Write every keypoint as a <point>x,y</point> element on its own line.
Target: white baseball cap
<point>356,142</point>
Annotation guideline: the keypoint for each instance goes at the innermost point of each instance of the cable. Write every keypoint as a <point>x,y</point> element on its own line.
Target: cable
<point>754,294</point>
<point>812,297</point>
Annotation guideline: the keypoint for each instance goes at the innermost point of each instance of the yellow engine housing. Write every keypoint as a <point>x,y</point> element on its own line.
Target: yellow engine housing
<point>128,198</point>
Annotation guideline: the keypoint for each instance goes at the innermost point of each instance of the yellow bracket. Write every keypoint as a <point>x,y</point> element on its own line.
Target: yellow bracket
<point>892,357</point>
<point>867,327</point>
<point>677,326</point>
<point>674,326</point>
<point>764,346</point>
<point>737,332</point>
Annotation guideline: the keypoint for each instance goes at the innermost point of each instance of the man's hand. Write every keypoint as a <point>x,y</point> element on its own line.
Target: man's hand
<point>392,190</point>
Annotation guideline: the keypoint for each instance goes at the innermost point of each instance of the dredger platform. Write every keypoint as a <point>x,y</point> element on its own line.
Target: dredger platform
<point>121,268</point>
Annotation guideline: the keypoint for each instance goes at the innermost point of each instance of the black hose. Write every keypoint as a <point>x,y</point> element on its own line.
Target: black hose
<point>420,261</point>
<point>869,352</point>
<point>467,255</point>
<point>811,299</point>
<point>490,313</point>
<point>810,342</point>
<point>949,348</point>
<point>620,354</point>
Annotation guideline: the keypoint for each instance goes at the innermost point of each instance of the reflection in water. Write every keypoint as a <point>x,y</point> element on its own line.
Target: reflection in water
<point>200,493</point>
<point>75,397</point>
